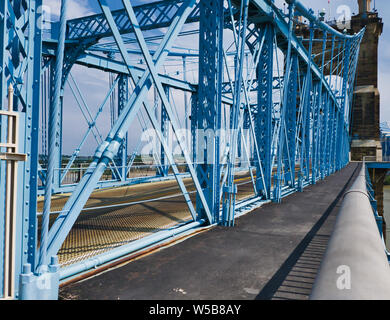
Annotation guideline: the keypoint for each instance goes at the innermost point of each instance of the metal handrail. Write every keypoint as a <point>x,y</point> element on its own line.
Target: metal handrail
<point>355,265</point>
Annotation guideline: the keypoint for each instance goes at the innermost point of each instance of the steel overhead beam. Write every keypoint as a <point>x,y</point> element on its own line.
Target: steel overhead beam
<point>95,61</point>
<point>151,16</point>
<point>109,49</point>
<point>106,64</point>
<point>91,60</point>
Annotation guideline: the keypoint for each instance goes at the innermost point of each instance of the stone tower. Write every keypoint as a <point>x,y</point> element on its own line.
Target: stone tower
<point>366,105</point>
<point>364,6</point>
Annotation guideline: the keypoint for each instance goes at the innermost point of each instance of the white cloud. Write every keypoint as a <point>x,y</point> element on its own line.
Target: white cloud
<point>76,8</point>
<point>384,79</point>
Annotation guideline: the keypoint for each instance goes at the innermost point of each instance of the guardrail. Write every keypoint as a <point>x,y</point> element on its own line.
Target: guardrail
<point>355,265</point>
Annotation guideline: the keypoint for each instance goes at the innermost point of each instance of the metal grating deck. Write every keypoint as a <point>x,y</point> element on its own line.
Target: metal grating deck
<point>100,230</point>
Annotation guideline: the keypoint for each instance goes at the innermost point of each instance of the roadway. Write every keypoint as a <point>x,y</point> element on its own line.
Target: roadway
<point>272,253</point>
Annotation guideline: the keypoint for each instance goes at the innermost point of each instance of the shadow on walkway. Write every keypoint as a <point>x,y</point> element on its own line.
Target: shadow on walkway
<point>295,278</point>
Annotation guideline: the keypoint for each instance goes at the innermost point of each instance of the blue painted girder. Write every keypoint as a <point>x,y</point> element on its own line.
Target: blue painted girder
<point>107,151</point>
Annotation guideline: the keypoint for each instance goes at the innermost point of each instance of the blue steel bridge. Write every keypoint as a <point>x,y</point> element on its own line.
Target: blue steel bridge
<point>265,150</point>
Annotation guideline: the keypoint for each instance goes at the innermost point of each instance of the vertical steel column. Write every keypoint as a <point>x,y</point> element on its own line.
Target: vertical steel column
<point>332,137</point>
<point>316,107</point>
<point>245,136</point>
<point>209,98</point>
<point>324,146</point>
<point>291,123</point>
<point>340,50</point>
<point>336,122</point>
<point>230,189</point>
<point>305,138</point>
<point>29,232</point>
<point>20,65</point>
<point>239,147</point>
<point>55,153</point>
<point>194,126</point>
<point>283,108</point>
<point>343,132</point>
<point>165,127</point>
<point>123,97</point>
<point>263,122</point>
<point>329,120</point>
<point>3,128</point>
<point>54,139</point>
<point>186,104</point>
<point>319,106</point>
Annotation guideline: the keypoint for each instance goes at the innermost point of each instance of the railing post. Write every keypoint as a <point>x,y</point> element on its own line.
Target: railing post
<point>12,157</point>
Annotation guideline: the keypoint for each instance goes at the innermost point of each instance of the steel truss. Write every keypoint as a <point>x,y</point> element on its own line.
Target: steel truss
<point>288,128</point>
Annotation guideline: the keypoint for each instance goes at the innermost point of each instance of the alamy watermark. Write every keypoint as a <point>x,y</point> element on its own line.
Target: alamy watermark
<point>344,17</point>
<point>202,142</point>
<point>343,282</point>
<point>45,18</point>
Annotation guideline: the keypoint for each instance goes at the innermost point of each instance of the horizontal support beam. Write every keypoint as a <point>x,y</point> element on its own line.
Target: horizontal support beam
<point>378,165</point>
<point>13,157</point>
<point>106,64</point>
<point>109,65</point>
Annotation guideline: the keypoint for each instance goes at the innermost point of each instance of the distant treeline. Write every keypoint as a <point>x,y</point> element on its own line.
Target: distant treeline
<point>86,160</point>
<point>387,180</point>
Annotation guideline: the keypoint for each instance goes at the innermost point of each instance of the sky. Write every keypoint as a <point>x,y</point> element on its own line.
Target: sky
<point>94,84</point>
